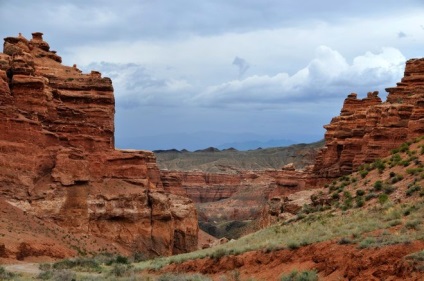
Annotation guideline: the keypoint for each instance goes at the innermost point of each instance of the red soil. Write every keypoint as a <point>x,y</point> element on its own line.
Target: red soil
<point>331,260</point>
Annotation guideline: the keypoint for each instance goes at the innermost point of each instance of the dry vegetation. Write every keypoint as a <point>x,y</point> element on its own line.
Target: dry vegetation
<point>380,205</point>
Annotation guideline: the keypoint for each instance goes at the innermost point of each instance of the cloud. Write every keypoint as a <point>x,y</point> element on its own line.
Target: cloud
<point>327,76</point>
<point>135,86</point>
<point>242,65</point>
<point>401,34</point>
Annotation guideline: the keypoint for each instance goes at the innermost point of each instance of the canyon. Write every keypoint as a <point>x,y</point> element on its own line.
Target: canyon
<point>58,163</point>
<point>66,191</point>
<point>367,129</point>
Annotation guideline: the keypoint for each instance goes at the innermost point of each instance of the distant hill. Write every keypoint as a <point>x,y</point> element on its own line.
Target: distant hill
<point>214,160</point>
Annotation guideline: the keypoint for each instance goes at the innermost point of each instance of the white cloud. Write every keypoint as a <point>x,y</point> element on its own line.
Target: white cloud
<point>326,76</point>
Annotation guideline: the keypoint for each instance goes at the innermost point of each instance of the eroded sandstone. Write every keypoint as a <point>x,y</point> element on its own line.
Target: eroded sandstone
<point>367,129</point>
<point>58,161</point>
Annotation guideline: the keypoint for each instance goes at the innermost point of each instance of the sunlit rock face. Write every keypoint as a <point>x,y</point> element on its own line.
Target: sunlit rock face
<point>368,128</point>
<point>58,161</point>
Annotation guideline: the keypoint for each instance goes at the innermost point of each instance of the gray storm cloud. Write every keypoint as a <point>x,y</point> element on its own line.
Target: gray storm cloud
<point>242,65</point>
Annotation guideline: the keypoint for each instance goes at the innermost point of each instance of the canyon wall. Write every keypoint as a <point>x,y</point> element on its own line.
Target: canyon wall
<point>367,129</point>
<point>58,162</point>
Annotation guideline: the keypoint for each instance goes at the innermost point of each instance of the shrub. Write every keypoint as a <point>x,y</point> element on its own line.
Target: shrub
<point>300,276</point>
<point>64,275</point>
<point>45,275</point>
<point>389,189</point>
<point>379,165</point>
<point>121,259</point>
<point>418,256</point>
<point>396,178</point>
<point>367,242</point>
<point>412,190</point>
<point>81,264</point>
<point>363,173</point>
<point>370,196</point>
<point>360,192</point>
<point>121,270</point>
<point>292,245</point>
<point>413,224</point>
<point>219,253</point>
<point>404,147</point>
<point>383,198</point>
<point>138,257</point>
<point>335,196</point>
<point>6,275</point>
<point>360,201</point>
<point>414,171</point>
<point>378,185</point>
<point>344,241</point>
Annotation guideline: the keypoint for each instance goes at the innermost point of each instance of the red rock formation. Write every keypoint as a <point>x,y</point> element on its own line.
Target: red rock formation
<point>368,129</point>
<point>58,162</point>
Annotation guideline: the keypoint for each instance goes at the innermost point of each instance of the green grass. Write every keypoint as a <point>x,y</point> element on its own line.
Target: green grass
<point>312,228</point>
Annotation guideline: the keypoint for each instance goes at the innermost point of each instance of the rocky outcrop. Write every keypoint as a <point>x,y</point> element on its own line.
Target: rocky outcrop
<point>58,162</point>
<point>368,128</point>
<point>227,202</point>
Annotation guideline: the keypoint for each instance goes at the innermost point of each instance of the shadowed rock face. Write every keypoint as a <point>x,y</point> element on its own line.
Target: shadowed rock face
<point>368,129</point>
<point>58,162</point>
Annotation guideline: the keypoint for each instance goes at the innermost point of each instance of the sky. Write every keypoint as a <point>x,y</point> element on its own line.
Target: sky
<point>198,73</point>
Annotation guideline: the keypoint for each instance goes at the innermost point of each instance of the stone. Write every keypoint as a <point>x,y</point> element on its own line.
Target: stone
<point>367,129</point>
<point>58,160</point>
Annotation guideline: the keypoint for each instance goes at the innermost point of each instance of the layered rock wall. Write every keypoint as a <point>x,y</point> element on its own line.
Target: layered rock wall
<point>58,162</point>
<point>368,128</point>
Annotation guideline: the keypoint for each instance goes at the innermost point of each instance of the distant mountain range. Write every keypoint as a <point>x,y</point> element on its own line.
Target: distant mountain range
<point>214,160</point>
<point>201,140</point>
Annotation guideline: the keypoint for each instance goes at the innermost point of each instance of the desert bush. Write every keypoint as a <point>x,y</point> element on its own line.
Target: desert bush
<point>335,196</point>
<point>138,257</point>
<point>363,173</point>
<point>404,147</point>
<point>45,275</point>
<point>413,224</point>
<point>396,178</point>
<point>360,192</point>
<point>388,189</point>
<point>121,270</point>
<point>367,242</point>
<point>45,266</point>
<point>418,256</point>
<point>359,201</point>
<point>219,253</point>
<point>395,222</point>
<point>6,275</point>
<point>78,264</point>
<point>412,190</point>
<point>414,171</point>
<point>300,276</point>
<point>293,245</point>
<point>344,241</point>
<point>370,196</point>
<point>383,198</point>
<point>64,275</point>
<point>347,203</point>
<point>378,185</point>
<point>380,165</point>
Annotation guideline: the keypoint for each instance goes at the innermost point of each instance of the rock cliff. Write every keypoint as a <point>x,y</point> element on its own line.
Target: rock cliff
<point>368,128</point>
<point>58,162</point>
